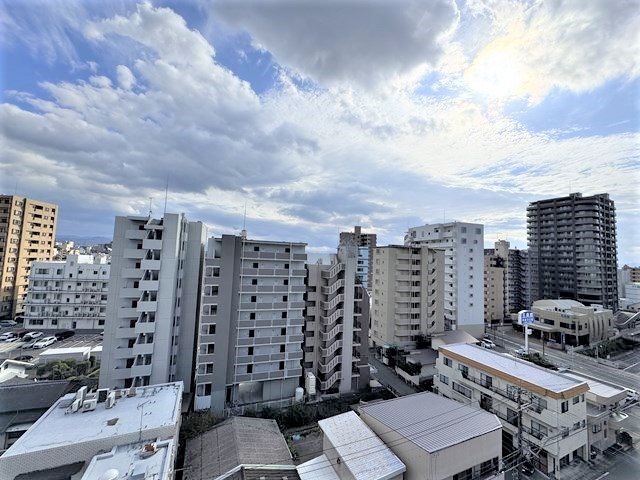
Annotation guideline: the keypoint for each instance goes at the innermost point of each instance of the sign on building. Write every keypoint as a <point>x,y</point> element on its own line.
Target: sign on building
<point>525,317</point>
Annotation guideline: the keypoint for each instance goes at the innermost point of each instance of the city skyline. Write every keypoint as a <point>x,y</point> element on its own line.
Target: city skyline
<point>451,110</point>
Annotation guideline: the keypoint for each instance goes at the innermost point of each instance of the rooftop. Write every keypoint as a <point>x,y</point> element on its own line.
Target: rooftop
<point>360,450</point>
<point>430,421</point>
<point>30,395</point>
<point>128,462</point>
<point>599,388</point>
<point>65,351</point>
<point>318,468</point>
<point>234,442</point>
<point>519,372</point>
<point>158,404</point>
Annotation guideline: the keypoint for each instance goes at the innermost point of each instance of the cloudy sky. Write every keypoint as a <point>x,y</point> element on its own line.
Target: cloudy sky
<point>321,114</point>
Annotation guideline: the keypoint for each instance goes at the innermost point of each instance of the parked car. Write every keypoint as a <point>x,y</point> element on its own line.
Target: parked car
<point>8,323</point>
<point>519,352</point>
<point>31,336</point>
<point>44,342</point>
<point>28,345</point>
<point>64,334</point>
<point>527,469</point>
<point>24,358</point>
<point>8,335</point>
<point>12,339</point>
<point>488,344</point>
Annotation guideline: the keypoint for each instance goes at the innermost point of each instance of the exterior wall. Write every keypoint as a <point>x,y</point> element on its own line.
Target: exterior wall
<point>463,244</point>
<point>495,274</point>
<point>573,244</point>
<point>568,428</point>
<point>253,299</point>
<point>153,262</point>
<point>27,234</point>
<point>336,328</point>
<point>71,294</point>
<point>367,243</point>
<point>408,294</point>
<point>627,275</point>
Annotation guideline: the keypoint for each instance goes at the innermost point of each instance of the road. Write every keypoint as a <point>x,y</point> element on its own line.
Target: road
<point>575,361</point>
<point>387,377</point>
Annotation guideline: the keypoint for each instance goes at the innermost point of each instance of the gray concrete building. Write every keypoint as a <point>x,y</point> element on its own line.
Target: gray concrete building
<point>408,294</point>
<point>572,242</point>
<point>249,344</point>
<point>366,243</point>
<point>337,324</point>
<point>153,300</point>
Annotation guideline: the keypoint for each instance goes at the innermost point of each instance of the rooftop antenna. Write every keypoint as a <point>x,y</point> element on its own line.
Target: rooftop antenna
<point>243,233</point>
<point>150,200</point>
<point>166,193</point>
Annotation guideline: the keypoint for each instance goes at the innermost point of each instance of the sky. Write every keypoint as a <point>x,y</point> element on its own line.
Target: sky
<point>320,115</point>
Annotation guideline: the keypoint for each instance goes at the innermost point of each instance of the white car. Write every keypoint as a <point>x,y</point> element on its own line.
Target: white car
<point>44,342</point>
<point>5,337</point>
<point>12,339</point>
<point>488,344</point>
<point>8,323</point>
<point>32,336</point>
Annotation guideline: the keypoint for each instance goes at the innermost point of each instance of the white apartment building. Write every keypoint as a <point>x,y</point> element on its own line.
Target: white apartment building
<point>408,294</point>
<point>337,324</point>
<point>69,294</point>
<point>437,438</point>
<point>463,245</point>
<point>152,306</point>
<point>249,344</point>
<point>553,418</point>
<point>73,435</point>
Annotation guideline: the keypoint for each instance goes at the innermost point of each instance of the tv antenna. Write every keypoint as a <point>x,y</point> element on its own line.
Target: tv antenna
<point>243,233</point>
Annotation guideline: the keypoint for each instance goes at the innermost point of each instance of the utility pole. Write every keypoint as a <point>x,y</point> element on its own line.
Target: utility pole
<point>516,474</point>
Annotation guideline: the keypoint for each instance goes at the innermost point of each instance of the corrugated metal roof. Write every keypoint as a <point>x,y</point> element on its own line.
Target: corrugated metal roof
<point>318,468</point>
<point>430,421</point>
<point>542,377</point>
<point>359,449</point>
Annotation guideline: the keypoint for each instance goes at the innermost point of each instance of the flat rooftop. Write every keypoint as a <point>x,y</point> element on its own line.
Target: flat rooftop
<point>128,462</point>
<point>360,449</point>
<point>159,405</point>
<point>600,388</point>
<point>519,372</point>
<point>430,421</point>
<point>65,351</point>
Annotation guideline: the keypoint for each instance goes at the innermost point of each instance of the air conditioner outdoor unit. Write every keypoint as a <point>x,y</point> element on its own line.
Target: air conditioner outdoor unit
<point>89,405</point>
<point>111,400</point>
<point>81,393</point>
<point>75,406</point>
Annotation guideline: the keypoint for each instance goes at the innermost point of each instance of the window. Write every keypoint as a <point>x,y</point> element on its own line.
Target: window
<point>512,417</point>
<point>254,299</point>
<point>204,389</point>
<point>464,369</point>
<point>250,351</point>
<point>444,379</point>
<point>252,333</point>
<point>447,361</point>
<point>596,428</point>
<point>462,389</point>
<point>565,407</point>
<point>576,399</point>
<point>249,368</point>
<point>252,316</point>
<point>486,380</point>
<point>284,315</point>
<point>538,430</point>
<point>211,329</point>
<point>283,348</point>
<point>216,271</point>
<point>256,249</point>
<point>255,265</point>
<point>281,365</point>
<point>283,331</point>
<point>254,281</point>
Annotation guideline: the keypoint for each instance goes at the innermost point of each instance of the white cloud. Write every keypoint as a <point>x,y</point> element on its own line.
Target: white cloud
<point>359,43</point>
<point>126,79</point>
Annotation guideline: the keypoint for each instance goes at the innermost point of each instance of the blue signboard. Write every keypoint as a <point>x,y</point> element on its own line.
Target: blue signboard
<point>525,317</point>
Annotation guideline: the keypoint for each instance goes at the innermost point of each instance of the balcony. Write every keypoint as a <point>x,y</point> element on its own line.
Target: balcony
<point>150,264</point>
<point>142,348</point>
<point>149,244</point>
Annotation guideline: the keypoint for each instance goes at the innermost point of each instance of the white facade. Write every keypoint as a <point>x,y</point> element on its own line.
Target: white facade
<point>553,406</point>
<point>68,295</point>
<point>14,368</point>
<point>249,343</point>
<point>152,308</point>
<point>631,300</point>
<point>68,435</point>
<point>463,245</point>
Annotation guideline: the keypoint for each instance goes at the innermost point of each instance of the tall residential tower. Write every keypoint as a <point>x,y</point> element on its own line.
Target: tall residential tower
<point>366,243</point>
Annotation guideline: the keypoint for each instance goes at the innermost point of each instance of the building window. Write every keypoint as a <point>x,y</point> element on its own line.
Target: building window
<point>464,369</point>
<point>486,381</point>
<point>211,329</point>
<point>565,407</point>
<point>462,389</point>
<point>447,361</point>
<point>250,368</point>
<point>444,379</point>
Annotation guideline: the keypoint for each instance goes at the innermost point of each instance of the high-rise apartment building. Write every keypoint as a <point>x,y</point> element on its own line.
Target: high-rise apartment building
<point>408,294</point>
<point>68,294</point>
<point>249,344</point>
<point>27,234</point>
<point>365,242</point>
<point>337,324</point>
<point>495,288</point>
<point>518,281</point>
<point>152,305</point>
<point>463,245</point>
<point>572,242</point>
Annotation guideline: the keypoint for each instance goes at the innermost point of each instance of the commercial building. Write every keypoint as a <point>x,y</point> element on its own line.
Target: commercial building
<point>408,294</point>
<point>463,245</point>
<point>153,300</point>
<point>437,438</point>
<point>605,421</point>
<point>572,242</point>
<point>568,322</point>
<point>351,451</point>
<point>366,243</point>
<point>627,275</point>
<point>27,235</point>
<point>70,294</point>
<point>336,343</point>
<point>240,448</point>
<point>631,300</point>
<point>65,440</point>
<point>249,345</point>
<point>543,411</point>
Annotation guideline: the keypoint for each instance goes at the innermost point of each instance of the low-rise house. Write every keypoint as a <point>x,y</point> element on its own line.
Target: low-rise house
<point>237,449</point>
<point>351,451</point>
<point>437,438</point>
<point>552,406</point>
<point>62,442</point>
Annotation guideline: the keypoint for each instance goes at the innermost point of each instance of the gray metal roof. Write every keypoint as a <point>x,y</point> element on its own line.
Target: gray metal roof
<point>236,441</point>
<point>32,395</point>
<point>430,421</point>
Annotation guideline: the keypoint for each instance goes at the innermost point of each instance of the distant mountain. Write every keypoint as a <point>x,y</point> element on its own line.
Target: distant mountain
<point>80,240</point>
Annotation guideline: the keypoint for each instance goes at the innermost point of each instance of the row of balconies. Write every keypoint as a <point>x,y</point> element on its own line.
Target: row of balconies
<point>250,254</point>
<point>273,272</point>
<point>252,306</point>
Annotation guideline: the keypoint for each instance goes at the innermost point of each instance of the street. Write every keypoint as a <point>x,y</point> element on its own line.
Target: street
<point>387,377</point>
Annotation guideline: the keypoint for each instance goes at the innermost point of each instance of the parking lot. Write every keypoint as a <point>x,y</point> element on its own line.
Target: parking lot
<point>14,349</point>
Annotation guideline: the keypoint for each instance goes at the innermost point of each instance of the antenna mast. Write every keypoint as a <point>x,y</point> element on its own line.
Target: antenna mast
<point>243,233</point>
<point>166,193</point>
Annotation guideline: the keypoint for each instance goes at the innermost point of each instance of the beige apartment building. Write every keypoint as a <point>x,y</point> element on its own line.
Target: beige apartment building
<point>495,276</point>
<point>27,234</point>
<point>408,294</point>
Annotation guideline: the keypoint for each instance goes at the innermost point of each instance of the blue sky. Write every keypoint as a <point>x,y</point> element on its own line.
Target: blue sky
<point>319,116</point>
